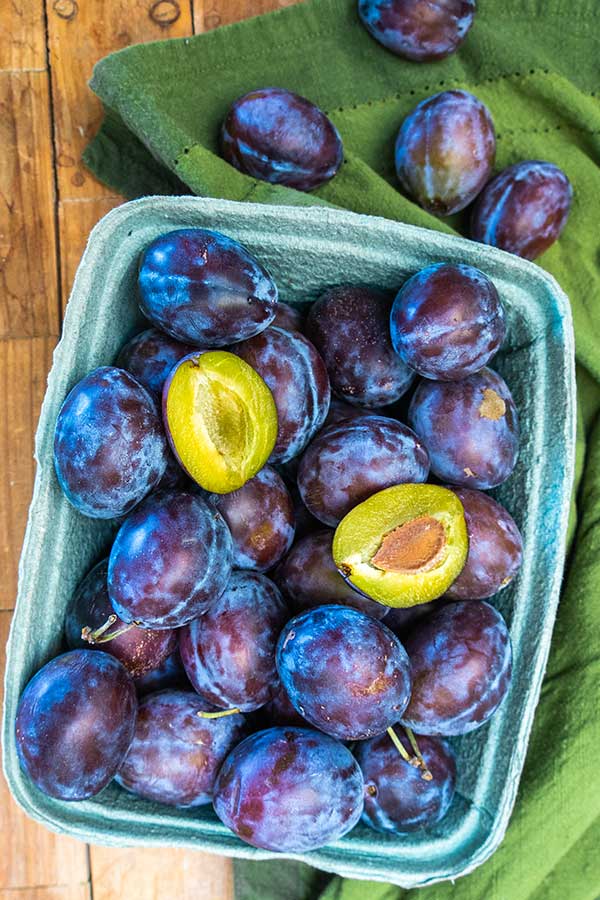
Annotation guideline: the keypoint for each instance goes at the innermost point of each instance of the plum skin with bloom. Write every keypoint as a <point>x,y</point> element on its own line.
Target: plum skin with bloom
<point>524,209</point>
<point>445,151</point>
<point>345,672</point>
<point>109,445</point>
<point>205,289</point>
<point>447,321</point>
<point>470,428</point>
<point>229,652</point>
<point>175,754</point>
<point>349,326</point>
<point>150,355</point>
<point>297,377</point>
<point>289,789</point>
<point>74,724</point>
<point>139,649</point>
<point>419,30</point>
<point>352,460</point>
<point>461,667</point>
<point>170,561</point>
<point>397,797</point>
<point>495,548</point>
<point>277,136</point>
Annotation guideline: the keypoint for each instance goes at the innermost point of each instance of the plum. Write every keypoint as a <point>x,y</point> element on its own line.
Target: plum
<point>109,445</point>
<point>260,517</point>
<point>204,288</point>
<point>419,30</point>
<point>397,798</point>
<point>349,461</point>
<point>275,135</point>
<point>74,724</point>
<point>220,418</point>
<point>170,674</point>
<point>170,561</point>
<point>495,548</point>
<point>308,577</point>
<point>461,666</point>
<point>289,790</point>
<point>470,428</point>
<point>176,753</point>
<point>445,151</point>
<point>523,209</point>
<point>345,672</point>
<point>150,356</point>
<point>350,327</point>
<point>289,317</point>
<point>404,545</point>
<point>229,652</point>
<point>296,375</point>
<point>139,649</point>
<point>447,321</point>
<point>279,710</point>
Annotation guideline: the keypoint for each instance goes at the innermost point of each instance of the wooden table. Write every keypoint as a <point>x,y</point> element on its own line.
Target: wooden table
<point>48,204</point>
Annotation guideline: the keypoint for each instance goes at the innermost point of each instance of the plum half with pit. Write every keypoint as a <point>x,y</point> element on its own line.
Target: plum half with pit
<point>276,135</point>
<point>205,289</point>
<point>447,321</point>
<point>445,151</point>
<point>220,418</point>
<point>419,30</point>
<point>404,545</point>
<point>470,428</point>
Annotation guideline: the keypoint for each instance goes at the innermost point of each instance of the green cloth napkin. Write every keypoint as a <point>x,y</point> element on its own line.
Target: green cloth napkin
<point>536,64</point>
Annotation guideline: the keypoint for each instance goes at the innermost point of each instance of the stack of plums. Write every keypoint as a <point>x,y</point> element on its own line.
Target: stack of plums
<point>293,615</point>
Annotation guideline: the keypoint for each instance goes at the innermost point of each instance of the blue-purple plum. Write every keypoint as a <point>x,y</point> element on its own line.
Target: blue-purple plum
<point>397,797</point>
<point>280,710</point>
<point>289,790</point>
<point>205,289</point>
<point>309,577</point>
<point>275,135</point>
<point>345,672</point>
<point>445,151</point>
<point>495,548</point>
<point>175,754</point>
<point>260,517</point>
<point>352,460</point>
<point>289,317</point>
<point>419,30</point>
<point>350,327</point>
<point>229,652</point>
<point>170,561</point>
<point>523,209</point>
<point>170,674</point>
<point>461,667</point>
<point>109,446</point>
<point>470,428</point>
<point>297,377</point>
<point>150,356</point>
<point>139,649</point>
<point>447,321</point>
<point>74,724</point>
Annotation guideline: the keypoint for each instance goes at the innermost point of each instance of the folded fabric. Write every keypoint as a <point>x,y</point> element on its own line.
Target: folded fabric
<point>535,64</point>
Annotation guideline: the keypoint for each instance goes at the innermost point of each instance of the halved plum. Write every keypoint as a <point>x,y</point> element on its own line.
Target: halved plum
<point>220,418</point>
<point>403,546</point>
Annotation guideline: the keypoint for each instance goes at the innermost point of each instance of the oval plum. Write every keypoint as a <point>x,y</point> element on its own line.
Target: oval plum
<point>150,356</point>
<point>419,30</point>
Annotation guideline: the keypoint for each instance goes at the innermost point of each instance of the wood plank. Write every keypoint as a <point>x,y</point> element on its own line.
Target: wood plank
<point>79,34</point>
<point>28,272</point>
<point>22,45</point>
<point>153,874</point>
<point>24,365</point>
<point>209,14</point>
<point>32,856</point>
<point>76,218</point>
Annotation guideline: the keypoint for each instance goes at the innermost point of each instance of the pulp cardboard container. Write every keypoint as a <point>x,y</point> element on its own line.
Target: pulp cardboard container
<point>307,250</point>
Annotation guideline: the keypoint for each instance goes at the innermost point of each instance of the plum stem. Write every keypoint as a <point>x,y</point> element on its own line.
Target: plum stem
<point>426,776</point>
<point>399,746</point>
<point>99,636</point>
<point>219,714</point>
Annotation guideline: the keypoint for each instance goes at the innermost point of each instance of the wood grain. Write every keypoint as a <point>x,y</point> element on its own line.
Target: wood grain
<point>209,14</point>
<point>28,274</point>
<point>23,23</point>
<point>154,874</point>
<point>79,34</point>
<point>32,856</point>
<point>76,218</point>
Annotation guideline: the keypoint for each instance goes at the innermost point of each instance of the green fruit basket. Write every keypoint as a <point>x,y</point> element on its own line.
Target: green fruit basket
<point>307,250</point>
